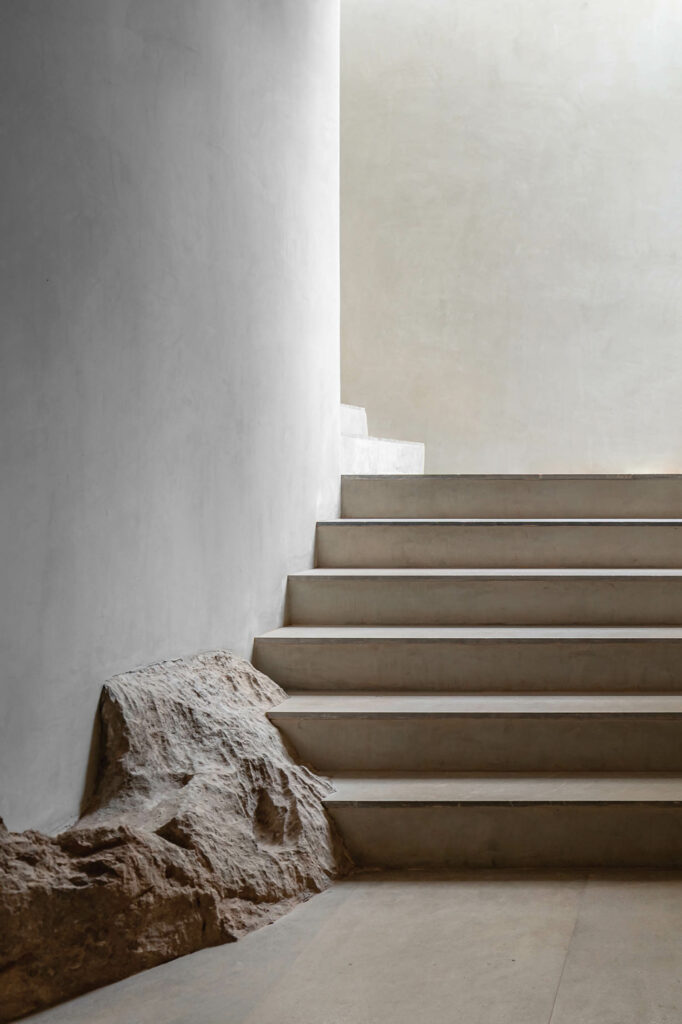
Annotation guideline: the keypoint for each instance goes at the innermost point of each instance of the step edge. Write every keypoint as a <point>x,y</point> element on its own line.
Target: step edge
<point>380,477</point>
<point>362,637</point>
<point>462,573</point>
<point>275,715</point>
<point>371,521</point>
<point>331,801</point>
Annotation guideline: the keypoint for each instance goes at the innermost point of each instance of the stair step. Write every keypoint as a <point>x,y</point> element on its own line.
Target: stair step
<point>513,597</point>
<point>481,543</point>
<point>381,455</point>
<point>510,820</point>
<point>513,496</point>
<point>352,788</point>
<point>489,666</point>
<point>353,421</point>
<point>452,658</point>
<point>492,733</point>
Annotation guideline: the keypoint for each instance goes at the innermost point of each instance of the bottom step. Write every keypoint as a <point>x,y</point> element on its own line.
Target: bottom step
<point>507,820</point>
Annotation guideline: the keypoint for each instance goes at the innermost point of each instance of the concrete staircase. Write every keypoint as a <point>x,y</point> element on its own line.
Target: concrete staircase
<point>490,668</point>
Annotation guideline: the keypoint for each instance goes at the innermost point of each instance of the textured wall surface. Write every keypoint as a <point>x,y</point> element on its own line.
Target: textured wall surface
<point>201,827</point>
<point>511,230</point>
<point>169,347</point>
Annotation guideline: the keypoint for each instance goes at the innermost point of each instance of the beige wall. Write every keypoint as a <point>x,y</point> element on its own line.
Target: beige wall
<point>169,352</point>
<point>512,230</point>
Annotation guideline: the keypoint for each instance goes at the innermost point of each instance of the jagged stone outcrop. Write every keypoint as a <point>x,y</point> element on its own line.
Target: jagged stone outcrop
<point>201,827</point>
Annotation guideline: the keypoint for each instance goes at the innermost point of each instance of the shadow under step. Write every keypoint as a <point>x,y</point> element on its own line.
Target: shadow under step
<point>510,820</point>
<point>510,597</point>
<point>454,658</point>
<point>493,543</point>
<point>492,732</point>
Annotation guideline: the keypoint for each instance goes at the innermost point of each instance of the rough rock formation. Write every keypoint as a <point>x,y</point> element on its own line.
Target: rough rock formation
<point>201,828</point>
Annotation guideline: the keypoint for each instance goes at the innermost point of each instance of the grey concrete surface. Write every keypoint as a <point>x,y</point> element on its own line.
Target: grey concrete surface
<point>510,226</point>
<point>445,704</point>
<point>169,382</point>
<point>510,820</point>
<point>509,787</point>
<point>475,658</point>
<point>509,496</point>
<point>486,597</point>
<point>500,543</point>
<point>482,947</point>
<point>633,834</point>
<point>484,733</point>
<point>484,737</point>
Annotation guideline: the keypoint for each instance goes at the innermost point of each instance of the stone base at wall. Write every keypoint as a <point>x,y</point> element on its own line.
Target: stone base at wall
<point>202,827</point>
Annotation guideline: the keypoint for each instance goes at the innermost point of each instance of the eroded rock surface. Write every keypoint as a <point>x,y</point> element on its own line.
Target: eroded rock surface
<point>202,827</point>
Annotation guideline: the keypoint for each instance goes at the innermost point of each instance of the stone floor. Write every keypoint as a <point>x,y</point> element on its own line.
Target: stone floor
<point>468,948</point>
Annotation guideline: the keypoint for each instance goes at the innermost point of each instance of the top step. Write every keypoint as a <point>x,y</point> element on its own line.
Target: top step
<point>353,421</point>
<point>512,497</point>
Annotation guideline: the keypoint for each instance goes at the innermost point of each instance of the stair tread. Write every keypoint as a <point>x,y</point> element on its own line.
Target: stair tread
<point>507,788</point>
<point>446,633</point>
<point>499,521</point>
<point>502,573</point>
<point>520,476</point>
<point>332,705</point>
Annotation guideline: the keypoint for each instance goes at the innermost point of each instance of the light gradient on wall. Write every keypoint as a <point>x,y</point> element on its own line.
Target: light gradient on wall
<point>511,231</point>
<point>169,384</point>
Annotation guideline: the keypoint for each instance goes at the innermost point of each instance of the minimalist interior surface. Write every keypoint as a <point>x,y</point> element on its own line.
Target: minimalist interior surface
<point>478,696</point>
<point>510,217</point>
<point>488,948</point>
<point>169,389</point>
<point>340,512</point>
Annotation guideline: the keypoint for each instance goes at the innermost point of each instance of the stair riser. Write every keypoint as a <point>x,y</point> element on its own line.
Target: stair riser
<point>466,666</point>
<point>472,601</point>
<point>453,545</point>
<point>485,742</point>
<point>656,497</point>
<point>530,836</point>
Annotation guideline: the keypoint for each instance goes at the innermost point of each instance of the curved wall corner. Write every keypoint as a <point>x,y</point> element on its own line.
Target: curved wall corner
<point>169,384</point>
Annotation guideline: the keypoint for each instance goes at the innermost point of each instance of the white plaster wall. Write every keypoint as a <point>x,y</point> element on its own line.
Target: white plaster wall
<point>169,383</point>
<point>512,230</point>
